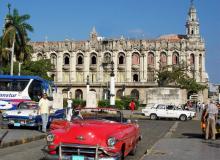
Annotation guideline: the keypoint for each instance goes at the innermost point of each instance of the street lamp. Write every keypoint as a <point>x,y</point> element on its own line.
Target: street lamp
<point>112,85</point>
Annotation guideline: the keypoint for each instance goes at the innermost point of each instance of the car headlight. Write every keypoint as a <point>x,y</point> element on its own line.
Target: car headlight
<point>30,116</point>
<point>50,137</point>
<point>111,141</point>
<point>4,114</point>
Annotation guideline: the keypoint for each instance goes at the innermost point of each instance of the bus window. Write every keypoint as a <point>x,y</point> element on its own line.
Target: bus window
<point>35,90</point>
<point>13,85</point>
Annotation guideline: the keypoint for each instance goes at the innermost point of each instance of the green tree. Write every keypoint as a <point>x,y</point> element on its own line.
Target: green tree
<point>177,75</point>
<point>35,68</point>
<point>16,31</point>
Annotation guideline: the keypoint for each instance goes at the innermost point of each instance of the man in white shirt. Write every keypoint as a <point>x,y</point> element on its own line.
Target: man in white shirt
<point>44,111</point>
<point>212,112</point>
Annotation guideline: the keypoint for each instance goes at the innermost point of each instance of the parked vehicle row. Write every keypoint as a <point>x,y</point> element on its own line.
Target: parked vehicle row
<point>155,111</point>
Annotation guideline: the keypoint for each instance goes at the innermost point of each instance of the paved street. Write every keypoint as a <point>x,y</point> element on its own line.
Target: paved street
<point>186,142</point>
<point>152,131</point>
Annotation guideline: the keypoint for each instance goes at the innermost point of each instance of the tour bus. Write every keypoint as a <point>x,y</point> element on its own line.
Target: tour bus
<point>17,89</point>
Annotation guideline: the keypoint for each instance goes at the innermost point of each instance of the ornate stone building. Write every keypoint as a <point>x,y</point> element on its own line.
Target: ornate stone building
<point>135,61</point>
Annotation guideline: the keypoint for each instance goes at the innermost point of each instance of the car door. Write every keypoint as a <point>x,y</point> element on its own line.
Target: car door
<point>171,111</point>
<point>161,110</point>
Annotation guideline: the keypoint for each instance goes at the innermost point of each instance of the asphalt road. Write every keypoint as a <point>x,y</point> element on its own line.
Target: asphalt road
<point>152,131</point>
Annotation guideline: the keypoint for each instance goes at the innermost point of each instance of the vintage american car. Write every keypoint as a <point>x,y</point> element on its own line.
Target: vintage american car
<point>5,105</point>
<point>167,111</point>
<point>27,115</point>
<point>98,133</point>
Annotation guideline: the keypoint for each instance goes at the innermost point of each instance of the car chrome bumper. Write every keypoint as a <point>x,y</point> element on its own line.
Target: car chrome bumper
<point>49,156</point>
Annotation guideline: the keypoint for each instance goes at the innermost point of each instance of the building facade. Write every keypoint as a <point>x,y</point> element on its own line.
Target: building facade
<point>135,61</point>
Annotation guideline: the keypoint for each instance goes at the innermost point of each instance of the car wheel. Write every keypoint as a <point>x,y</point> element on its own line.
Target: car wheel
<point>153,116</point>
<point>10,126</point>
<point>183,117</point>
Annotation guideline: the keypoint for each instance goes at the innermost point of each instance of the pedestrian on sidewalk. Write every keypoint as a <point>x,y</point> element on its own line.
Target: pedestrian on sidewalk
<point>132,106</point>
<point>44,110</point>
<point>211,112</point>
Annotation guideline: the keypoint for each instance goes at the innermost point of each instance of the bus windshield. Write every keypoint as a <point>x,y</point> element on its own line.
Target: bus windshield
<point>13,84</point>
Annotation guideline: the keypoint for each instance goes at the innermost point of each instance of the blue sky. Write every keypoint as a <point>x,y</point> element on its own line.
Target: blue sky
<point>73,19</point>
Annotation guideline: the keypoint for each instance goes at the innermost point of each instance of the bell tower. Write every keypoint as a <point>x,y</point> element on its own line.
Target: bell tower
<point>192,23</point>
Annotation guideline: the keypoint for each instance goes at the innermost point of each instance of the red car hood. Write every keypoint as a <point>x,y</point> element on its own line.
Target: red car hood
<point>88,132</point>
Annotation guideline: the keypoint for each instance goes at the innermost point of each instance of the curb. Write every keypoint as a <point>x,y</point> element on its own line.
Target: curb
<point>21,141</point>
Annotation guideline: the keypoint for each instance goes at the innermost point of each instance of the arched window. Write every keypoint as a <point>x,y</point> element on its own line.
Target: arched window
<point>79,59</point>
<point>135,94</point>
<point>93,60</point>
<point>66,59</point>
<point>192,31</point>
<point>53,59</point>
<point>163,59</point>
<point>78,94</point>
<point>200,59</point>
<point>135,78</point>
<point>135,58</point>
<point>175,58</point>
<point>192,59</point>
<point>119,94</point>
<point>150,58</point>
<point>121,58</point>
<point>39,56</point>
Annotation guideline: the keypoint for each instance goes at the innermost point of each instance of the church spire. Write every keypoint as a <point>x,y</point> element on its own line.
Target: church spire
<point>93,34</point>
<point>192,24</point>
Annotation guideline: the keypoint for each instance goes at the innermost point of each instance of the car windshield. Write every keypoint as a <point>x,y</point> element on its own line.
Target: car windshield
<point>28,105</point>
<point>101,113</point>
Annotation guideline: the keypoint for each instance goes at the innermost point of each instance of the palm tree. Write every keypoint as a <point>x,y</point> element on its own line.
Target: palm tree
<point>15,31</point>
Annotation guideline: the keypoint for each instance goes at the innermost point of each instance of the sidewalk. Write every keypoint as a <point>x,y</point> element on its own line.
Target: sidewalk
<point>185,148</point>
<point>19,136</point>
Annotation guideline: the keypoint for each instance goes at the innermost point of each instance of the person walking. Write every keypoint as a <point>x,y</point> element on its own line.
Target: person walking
<point>211,112</point>
<point>44,110</point>
<point>132,106</point>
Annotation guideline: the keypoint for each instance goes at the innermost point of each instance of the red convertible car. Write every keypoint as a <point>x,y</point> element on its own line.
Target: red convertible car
<point>97,134</point>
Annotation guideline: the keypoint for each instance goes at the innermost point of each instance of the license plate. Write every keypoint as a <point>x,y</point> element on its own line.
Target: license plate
<point>77,157</point>
<point>17,124</point>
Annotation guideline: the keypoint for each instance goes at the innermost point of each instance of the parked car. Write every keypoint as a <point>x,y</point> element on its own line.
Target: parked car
<point>27,115</point>
<point>98,133</point>
<point>5,105</point>
<point>167,111</point>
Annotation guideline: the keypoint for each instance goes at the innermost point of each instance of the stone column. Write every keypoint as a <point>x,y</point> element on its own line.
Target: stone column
<point>60,67</point>
<point>197,78</point>
<point>203,68</point>
<point>72,67</point>
<point>169,59</point>
<point>157,60</point>
<point>115,60</point>
<point>141,67</point>
<point>100,68</point>
<point>86,65</point>
<point>145,66</point>
<point>128,67</point>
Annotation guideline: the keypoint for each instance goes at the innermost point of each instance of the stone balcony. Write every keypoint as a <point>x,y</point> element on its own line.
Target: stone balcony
<point>136,66</point>
<point>121,67</point>
<point>93,67</point>
<point>66,67</point>
<point>79,66</point>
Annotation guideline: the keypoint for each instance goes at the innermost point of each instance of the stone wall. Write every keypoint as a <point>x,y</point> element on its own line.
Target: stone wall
<point>165,95</point>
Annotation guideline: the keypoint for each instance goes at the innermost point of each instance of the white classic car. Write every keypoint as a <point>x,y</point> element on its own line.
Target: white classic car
<point>167,111</point>
<point>27,115</point>
<point>5,105</point>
